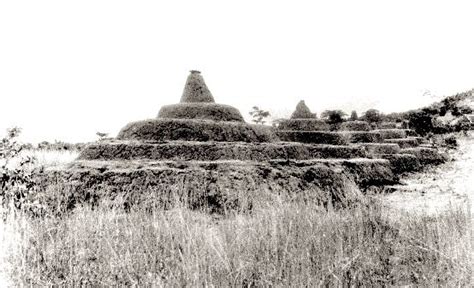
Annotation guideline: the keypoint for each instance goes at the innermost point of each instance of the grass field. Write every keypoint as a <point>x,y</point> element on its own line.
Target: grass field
<point>288,245</point>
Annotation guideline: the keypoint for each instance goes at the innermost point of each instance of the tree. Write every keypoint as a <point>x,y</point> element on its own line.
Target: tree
<point>354,116</point>
<point>259,115</point>
<point>333,116</point>
<point>373,116</point>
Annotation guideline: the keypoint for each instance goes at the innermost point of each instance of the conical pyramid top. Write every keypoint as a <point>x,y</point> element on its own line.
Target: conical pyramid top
<point>302,111</point>
<point>196,90</point>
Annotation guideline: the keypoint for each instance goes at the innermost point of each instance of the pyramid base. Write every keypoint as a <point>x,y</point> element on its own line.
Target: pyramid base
<point>212,186</point>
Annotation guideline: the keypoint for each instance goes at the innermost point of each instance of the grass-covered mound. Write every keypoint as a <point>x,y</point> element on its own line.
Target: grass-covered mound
<point>316,137</point>
<point>404,142</point>
<point>427,156</point>
<point>195,130</point>
<point>195,89</point>
<point>402,162</point>
<point>188,150</point>
<point>380,148</point>
<point>209,111</point>
<point>302,111</point>
<point>304,125</point>
<point>215,186</point>
<point>354,126</point>
<point>392,133</point>
<point>361,136</point>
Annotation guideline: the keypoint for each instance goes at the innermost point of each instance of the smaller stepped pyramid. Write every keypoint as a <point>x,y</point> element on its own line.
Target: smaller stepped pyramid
<point>399,146</point>
<point>303,126</point>
<point>302,119</point>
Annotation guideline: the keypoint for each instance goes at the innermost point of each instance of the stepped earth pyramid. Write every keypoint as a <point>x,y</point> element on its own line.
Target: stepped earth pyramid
<point>204,155</point>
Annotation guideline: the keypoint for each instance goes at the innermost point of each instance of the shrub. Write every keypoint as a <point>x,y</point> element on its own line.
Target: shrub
<point>465,109</point>
<point>16,177</point>
<point>333,117</point>
<point>373,116</point>
<point>421,121</point>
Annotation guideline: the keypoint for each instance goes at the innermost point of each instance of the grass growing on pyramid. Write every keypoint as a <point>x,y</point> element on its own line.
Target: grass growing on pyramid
<point>204,154</point>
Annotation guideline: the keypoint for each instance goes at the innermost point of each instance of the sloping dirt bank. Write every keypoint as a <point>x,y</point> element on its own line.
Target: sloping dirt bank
<point>440,187</point>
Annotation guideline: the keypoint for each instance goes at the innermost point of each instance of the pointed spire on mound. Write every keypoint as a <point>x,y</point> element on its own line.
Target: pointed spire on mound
<point>302,112</point>
<point>195,90</point>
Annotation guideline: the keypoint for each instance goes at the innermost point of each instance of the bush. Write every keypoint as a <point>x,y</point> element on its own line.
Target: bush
<point>373,116</point>
<point>333,117</point>
<point>450,141</point>
<point>421,121</point>
<point>16,178</point>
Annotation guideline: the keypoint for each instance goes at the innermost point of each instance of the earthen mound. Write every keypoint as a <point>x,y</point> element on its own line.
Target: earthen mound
<point>195,89</point>
<point>303,119</point>
<point>195,130</point>
<point>302,112</point>
<point>208,111</point>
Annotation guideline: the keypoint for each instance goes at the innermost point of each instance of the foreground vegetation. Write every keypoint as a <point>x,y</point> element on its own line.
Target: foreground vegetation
<point>287,245</point>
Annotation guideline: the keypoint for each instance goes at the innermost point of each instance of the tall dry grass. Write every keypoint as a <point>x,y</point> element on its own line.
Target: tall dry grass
<point>281,245</point>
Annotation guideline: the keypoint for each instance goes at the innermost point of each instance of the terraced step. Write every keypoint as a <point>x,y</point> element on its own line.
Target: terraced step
<point>402,162</point>
<point>306,124</point>
<point>427,156</point>
<point>202,130</point>
<point>391,133</point>
<point>409,142</point>
<point>203,151</point>
<point>316,137</point>
<point>215,186</point>
<point>362,136</point>
<point>380,148</point>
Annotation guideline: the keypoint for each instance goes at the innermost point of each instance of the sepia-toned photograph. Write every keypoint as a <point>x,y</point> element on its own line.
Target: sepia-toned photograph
<point>236,143</point>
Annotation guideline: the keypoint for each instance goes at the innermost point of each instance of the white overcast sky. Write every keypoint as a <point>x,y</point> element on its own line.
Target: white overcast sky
<point>71,68</point>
